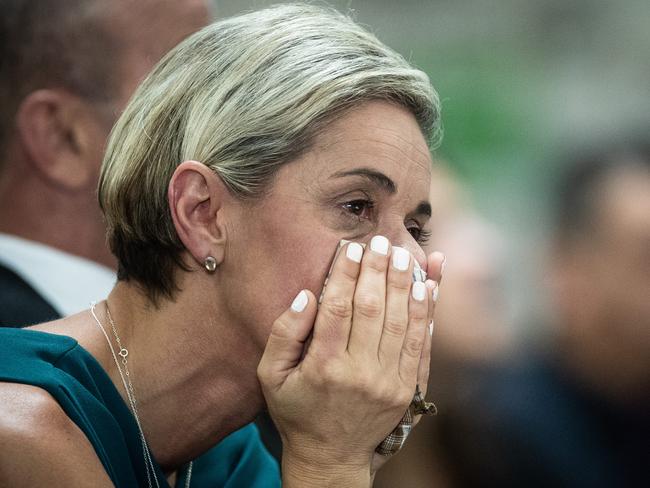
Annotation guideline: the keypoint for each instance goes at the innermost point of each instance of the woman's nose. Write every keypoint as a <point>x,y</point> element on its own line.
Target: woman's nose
<point>407,241</point>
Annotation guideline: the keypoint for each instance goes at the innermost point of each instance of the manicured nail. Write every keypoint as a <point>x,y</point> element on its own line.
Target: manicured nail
<point>354,252</point>
<point>431,328</point>
<point>435,292</point>
<point>379,244</point>
<point>401,258</point>
<point>419,290</point>
<point>300,302</point>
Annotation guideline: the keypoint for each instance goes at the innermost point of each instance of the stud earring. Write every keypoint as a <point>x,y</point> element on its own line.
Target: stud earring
<point>210,264</point>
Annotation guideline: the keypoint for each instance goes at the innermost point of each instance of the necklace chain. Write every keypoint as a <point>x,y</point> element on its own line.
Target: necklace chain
<point>130,393</point>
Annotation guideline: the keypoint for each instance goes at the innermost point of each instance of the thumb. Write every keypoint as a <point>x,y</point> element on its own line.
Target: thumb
<point>289,334</point>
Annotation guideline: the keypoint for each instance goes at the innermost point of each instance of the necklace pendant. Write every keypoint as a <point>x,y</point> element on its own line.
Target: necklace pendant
<point>123,352</point>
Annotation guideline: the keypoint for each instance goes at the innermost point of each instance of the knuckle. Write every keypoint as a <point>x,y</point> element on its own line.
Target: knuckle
<point>401,283</point>
<point>413,347</point>
<point>281,328</point>
<point>329,374</point>
<point>350,274</point>
<point>419,313</point>
<point>366,384</point>
<point>376,263</point>
<point>395,327</point>
<point>338,308</point>
<point>369,306</point>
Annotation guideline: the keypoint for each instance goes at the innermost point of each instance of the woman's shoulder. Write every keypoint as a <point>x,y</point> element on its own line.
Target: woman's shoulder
<point>27,355</point>
<point>41,443</point>
<point>25,343</point>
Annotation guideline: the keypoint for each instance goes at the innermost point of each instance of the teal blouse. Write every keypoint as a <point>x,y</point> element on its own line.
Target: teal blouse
<point>59,365</point>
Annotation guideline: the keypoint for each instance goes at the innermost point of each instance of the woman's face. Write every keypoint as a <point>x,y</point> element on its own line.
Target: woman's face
<point>367,174</point>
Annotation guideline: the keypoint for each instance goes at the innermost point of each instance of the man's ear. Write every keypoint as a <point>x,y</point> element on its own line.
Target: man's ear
<point>62,136</point>
<point>196,196</point>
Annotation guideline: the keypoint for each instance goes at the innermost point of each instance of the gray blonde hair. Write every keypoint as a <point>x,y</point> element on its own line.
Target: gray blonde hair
<point>243,96</point>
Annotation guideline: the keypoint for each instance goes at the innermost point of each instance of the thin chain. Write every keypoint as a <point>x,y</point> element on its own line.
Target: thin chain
<point>130,393</point>
<point>145,449</point>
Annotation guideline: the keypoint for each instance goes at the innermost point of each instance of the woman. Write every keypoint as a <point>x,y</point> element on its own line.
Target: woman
<point>240,163</point>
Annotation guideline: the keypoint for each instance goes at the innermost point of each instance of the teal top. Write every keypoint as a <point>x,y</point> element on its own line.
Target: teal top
<point>59,365</point>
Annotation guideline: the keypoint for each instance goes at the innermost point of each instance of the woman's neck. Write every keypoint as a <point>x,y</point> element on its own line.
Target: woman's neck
<point>191,390</point>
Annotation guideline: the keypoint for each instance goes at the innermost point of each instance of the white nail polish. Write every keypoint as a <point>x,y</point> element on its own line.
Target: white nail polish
<point>354,252</point>
<point>435,292</point>
<point>401,258</point>
<point>419,290</point>
<point>443,265</point>
<point>300,302</point>
<point>431,328</point>
<point>379,244</point>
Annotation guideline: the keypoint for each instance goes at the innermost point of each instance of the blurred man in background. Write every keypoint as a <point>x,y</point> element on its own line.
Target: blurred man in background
<point>578,414</point>
<point>67,69</point>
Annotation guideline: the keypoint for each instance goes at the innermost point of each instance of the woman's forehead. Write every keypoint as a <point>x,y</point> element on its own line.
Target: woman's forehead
<point>378,137</point>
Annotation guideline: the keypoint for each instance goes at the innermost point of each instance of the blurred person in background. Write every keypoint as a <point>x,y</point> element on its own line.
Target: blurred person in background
<point>67,69</point>
<point>577,412</point>
<point>471,326</point>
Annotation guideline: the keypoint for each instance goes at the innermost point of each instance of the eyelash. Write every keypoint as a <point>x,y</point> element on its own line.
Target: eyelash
<point>422,236</point>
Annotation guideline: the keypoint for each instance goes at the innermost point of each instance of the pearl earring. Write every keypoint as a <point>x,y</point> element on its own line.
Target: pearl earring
<point>210,264</point>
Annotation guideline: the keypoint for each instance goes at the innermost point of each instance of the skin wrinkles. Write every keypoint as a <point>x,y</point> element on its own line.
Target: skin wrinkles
<point>301,220</point>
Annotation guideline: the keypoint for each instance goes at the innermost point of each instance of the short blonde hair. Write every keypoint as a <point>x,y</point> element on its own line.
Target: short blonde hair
<point>243,96</point>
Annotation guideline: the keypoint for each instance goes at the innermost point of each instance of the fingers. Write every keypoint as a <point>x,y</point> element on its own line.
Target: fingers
<point>396,315</point>
<point>287,340</point>
<point>425,359</point>
<point>414,338</point>
<point>370,300</point>
<point>332,327</point>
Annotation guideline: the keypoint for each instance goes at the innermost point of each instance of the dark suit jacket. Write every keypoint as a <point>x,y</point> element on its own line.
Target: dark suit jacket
<point>20,304</point>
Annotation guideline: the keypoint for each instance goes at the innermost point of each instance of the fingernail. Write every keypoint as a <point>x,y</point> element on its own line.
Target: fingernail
<point>300,302</point>
<point>435,292</point>
<point>401,258</point>
<point>431,328</point>
<point>379,244</point>
<point>354,252</point>
<point>419,290</point>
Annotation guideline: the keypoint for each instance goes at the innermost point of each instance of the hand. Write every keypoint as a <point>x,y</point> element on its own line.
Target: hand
<point>333,406</point>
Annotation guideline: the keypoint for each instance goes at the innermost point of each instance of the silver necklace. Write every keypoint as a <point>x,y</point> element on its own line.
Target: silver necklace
<point>130,393</point>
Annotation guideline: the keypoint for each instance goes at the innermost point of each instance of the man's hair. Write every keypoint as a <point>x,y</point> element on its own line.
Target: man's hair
<point>53,44</point>
<point>578,190</point>
<point>243,96</point>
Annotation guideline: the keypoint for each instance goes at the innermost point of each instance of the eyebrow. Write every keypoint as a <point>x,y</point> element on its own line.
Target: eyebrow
<point>376,177</point>
<point>383,181</point>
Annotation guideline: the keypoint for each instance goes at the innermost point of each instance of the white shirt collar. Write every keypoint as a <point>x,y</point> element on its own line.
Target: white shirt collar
<point>69,283</point>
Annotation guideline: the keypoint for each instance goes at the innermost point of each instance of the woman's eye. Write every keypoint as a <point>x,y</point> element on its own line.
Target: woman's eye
<point>421,236</point>
<point>360,208</point>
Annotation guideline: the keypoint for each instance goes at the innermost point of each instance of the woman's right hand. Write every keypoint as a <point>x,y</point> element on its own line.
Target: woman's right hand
<point>336,401</point>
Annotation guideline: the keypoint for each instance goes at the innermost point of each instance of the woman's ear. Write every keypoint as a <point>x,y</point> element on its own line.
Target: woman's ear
<point>196,195</point>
